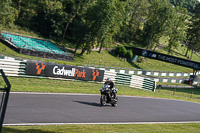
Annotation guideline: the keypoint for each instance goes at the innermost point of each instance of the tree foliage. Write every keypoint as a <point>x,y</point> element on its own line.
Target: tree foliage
<point>177,29</point>
<point>74,8</point>
<point>188,4</point>
<point>157,23</point>
<point>133,19</point>
<point>105,19</point>
<point>101,22</point>
<point>193,33</point>
<point>50,18</point>
<point>129,54</point>
<point>7,12</point>
<point>121,51</point>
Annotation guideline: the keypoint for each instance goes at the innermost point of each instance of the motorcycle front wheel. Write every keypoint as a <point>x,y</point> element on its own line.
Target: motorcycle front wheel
<point>103,100</point>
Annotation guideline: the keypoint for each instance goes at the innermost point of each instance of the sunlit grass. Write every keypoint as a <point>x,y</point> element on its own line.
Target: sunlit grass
<point>129,128</point>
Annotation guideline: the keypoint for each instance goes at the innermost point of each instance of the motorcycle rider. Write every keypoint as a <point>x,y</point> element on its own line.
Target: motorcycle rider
<point>112,87</point>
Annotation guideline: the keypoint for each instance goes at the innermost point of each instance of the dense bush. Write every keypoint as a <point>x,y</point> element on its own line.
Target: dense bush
<point>129,54</point>
<point>121,51</point>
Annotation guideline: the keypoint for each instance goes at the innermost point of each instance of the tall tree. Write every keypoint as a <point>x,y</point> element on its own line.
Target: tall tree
<point>133,19</point>
<point>78,35</point>
<point>177,28</point>
<point>7,12</point>
<point>82,34</point>
<point>50,18</point>
<point>105,18</point>
<point>157,22</point>
<point>17,4</point>
<point>26,11</point>
<point>72,8</point>
<point>193,40</point>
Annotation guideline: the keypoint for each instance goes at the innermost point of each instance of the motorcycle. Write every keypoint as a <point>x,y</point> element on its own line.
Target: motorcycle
<point>107,97</point>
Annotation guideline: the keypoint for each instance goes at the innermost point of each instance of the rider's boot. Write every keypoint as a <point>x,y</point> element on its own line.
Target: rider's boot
<point>114,97</point>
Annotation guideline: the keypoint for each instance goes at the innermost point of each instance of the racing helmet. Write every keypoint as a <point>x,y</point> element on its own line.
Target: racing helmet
<point>108,80</point>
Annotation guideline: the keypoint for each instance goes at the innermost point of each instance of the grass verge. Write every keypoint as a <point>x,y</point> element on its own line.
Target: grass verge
<point>132,128</point>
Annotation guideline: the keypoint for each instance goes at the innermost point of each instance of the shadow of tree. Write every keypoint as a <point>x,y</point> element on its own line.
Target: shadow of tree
<point>24,130</point>
<point>129,61</point>
<point>71,51</point>
<point>174,52</point>
<point>178,54</point>
<point>134,65</point>
<point>78,57</point>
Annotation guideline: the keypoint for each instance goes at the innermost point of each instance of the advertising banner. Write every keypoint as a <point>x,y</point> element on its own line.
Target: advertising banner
<point>63,71</point>
<point>35,68</point>
<point>166,58</point>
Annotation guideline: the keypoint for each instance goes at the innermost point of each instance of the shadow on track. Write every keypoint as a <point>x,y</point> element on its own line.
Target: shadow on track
<point>89,103</point>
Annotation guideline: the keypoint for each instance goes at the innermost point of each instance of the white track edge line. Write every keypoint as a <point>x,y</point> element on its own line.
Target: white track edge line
<point>110,123</point>
<point>45,93</point>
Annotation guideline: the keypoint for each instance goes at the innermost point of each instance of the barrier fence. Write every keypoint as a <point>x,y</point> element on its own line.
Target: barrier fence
<point>15,67</point>
<point>131,80</point>
<point>146,72</point>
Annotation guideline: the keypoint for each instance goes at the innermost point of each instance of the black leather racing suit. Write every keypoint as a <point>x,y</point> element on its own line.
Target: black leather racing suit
<point>112,85</point>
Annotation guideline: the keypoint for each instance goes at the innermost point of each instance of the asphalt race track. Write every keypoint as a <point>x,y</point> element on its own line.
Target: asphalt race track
<point>43,108</point>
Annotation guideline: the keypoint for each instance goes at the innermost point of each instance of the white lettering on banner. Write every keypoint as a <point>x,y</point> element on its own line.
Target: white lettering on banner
<point>194,65</point>
<point>58,71</point>
<point>177,61</point>
<point>162,57</point>
<point>170,59</point>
